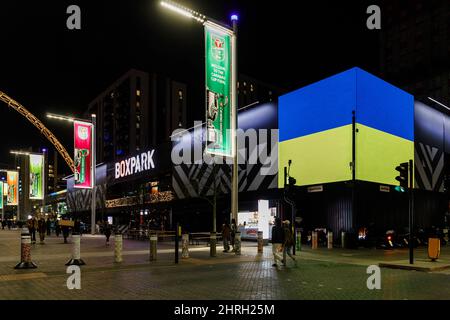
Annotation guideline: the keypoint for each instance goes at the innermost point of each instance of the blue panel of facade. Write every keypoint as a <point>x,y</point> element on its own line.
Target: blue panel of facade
<point>384,107</point>
<point>323,105</point>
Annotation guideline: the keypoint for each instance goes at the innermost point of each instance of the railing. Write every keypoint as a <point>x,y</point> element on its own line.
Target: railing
<point>195,238</point>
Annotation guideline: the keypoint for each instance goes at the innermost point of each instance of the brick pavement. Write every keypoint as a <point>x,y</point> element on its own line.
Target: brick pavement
<point>322,274</point>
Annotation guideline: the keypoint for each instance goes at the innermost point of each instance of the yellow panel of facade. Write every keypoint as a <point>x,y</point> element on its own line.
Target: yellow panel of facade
<point>378,153</point>
<point>317,158</point>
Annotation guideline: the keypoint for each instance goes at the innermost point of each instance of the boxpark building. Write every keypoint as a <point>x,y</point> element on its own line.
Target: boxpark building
<point>343,136</point>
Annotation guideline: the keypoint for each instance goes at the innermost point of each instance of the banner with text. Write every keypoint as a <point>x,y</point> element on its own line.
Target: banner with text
<point>218,91</point>
<point>83,155</point>
<point>36,176</point>
<point>12,177</point>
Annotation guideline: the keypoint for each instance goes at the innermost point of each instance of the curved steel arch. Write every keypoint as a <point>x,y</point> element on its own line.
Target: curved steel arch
<point>41,127</point>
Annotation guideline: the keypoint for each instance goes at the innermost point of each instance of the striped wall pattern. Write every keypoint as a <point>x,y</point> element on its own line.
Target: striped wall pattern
<point>80,200</point>
<point>429,168</point>
<point>197,179</point>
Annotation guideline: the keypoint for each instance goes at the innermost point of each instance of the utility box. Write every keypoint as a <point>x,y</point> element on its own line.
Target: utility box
<point>434,248</point>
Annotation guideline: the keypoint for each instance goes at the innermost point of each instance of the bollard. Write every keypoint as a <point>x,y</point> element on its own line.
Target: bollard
<point>25,253</point>
<point>330,240</point>
<point>237,243</point>
<point>314,240</point>
<point>185,246</point>
<point>260,242</point>
<point>298,240</point>
<point>212,244</point>
<point>343,240</point>
<point>153,241</point>
<point>76,256</point>
<point>118,245</point>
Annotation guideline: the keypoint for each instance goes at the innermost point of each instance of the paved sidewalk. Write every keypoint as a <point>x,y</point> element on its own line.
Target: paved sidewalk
<point>320,274</point>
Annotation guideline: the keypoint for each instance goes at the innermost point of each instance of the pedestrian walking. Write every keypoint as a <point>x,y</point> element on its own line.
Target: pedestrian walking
<point>31,224</point>
<point>3,224</point>
<point>107,231</point>
<point>76,227</point>
<point>288,242</point>
<point>65,232</point>
<point>226,232</point>
<point>57,228</point>
<point>49,226</point>
<point>9,223</point>
<point>234,230</point>
<point>42,228</point>
<point>277,242</point>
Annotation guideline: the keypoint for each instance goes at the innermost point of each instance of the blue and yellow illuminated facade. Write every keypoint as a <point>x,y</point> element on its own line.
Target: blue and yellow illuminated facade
<point>316,129</point>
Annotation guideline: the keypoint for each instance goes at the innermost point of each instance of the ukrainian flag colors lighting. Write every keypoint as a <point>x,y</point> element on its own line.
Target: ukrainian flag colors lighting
<point>315,124</point>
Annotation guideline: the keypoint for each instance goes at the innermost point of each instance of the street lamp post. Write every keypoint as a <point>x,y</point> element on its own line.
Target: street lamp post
<point>93,121</point>
<point>181,10</point>
<point>94,163</point>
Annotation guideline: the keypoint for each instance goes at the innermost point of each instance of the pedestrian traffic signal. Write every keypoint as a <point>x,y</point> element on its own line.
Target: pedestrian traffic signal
<point>402,177</point>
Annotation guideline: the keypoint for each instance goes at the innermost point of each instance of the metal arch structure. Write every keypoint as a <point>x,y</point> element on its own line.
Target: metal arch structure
<point>41,127</point>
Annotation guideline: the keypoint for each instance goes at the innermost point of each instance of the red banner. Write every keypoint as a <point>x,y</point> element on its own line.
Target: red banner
<point>83,155</point>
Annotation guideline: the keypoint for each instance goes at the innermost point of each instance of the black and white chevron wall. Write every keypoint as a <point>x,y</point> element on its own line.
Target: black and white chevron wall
<point>429,173</point>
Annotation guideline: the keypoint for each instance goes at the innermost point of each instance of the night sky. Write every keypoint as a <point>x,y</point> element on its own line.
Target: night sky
<point>49,68</point>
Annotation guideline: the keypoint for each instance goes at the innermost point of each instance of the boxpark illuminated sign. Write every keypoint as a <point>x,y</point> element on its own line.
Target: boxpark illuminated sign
<point>136,164</point>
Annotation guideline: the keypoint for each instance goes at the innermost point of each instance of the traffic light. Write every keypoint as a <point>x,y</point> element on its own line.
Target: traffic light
<point>292,181</point>
<point>402,177</point>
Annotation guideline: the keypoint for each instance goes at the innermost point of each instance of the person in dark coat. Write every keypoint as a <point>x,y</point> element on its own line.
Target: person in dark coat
<point>65,232</point>
<point>107,231</point>
<point>76,227</point>
<point>49,226</point>
<point>31,224</point>
<point>277,241</point>
<point>226,233</point>
<point>57,228</point>
<point>3,224</point>
<point>288,242</point>
<point>234,229</point>
<point>42,228</point>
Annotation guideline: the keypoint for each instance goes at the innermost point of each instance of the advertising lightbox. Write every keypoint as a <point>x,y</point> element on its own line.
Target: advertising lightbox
<point>218,48</point>
<point>83,143</point>
<point>12,198</point>
<point>37,176</point>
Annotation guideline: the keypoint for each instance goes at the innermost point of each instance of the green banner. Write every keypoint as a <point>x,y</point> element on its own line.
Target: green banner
<point>1,194</point>
<point>218,91</point>
<point>36,176</point>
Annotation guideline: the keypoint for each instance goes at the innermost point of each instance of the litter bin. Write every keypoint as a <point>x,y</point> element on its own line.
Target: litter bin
<point>434,248</point>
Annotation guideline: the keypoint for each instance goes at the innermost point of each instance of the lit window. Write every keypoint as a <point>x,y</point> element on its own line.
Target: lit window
<point>138,93</point>
<point>251,88</point>
<point>138,104</point>
<point>180,94</point>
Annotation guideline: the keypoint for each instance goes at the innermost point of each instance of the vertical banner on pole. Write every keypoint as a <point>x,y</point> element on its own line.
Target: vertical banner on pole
<point>83,155</point>
<point>12,177</point>
<point>218,90</point>
<point>37,176</point>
